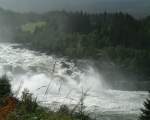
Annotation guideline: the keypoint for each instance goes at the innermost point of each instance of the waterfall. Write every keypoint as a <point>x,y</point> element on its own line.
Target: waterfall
<point>58,80</point>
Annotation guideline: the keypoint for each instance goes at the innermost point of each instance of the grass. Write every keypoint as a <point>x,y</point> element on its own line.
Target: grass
<point>28,109</point>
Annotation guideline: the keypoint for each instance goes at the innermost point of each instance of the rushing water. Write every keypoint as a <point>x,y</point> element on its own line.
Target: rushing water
<point>36,71</point>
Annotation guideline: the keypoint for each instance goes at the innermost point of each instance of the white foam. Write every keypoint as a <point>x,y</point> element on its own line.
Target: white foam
<point>34,70</point>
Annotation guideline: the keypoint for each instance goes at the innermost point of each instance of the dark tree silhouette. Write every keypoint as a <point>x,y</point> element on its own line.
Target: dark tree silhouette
<point>146,111</point>
<point>5,88</point>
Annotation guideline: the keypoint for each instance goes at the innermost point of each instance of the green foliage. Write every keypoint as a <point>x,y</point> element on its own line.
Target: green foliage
<point>124,40</point>
<point>31,27</point>
<point>64,109</point>
<point>127,58</point>
<point>28,102</point>
<point>5,88</point>
<point>28,109</point>
<point>146,111</point>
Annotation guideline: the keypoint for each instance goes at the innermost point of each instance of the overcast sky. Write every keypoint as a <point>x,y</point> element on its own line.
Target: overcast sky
<point>132,6</point>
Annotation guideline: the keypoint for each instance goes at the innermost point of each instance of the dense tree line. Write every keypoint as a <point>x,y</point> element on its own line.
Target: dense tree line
<point>115,38</point>
<point>86,31</point>
<point>123,39</point>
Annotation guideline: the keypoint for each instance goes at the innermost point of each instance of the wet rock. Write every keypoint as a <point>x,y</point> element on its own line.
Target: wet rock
<point>69,72</point>
<point>64,65</point>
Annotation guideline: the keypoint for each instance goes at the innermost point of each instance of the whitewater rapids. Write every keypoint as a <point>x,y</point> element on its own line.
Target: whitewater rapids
<point>36,71</point>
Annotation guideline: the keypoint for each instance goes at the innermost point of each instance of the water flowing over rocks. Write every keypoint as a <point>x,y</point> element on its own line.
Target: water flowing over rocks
<point>65,82</point>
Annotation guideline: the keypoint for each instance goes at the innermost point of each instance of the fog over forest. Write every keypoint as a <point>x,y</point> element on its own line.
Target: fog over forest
<point>137,8</point>
<point>74,59</point>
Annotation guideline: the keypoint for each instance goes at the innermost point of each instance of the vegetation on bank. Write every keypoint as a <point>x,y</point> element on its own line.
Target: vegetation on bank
<point>28,108</point>
<point>5,88</point>
<point>31,27</point>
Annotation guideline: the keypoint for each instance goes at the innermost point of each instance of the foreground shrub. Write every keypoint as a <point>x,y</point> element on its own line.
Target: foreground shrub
<point>28,109</point>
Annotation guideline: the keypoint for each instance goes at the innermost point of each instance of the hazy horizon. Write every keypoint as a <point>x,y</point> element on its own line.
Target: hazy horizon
<point>134,7</point>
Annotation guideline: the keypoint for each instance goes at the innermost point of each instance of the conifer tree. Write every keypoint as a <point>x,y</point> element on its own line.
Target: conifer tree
<point>146,110</point>
<point>5,88</point>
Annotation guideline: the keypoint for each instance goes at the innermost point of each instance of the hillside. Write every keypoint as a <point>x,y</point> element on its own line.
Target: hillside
<point>116,42</point>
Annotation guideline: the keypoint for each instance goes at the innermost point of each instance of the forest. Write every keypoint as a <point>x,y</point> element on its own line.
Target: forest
<point>118,45</point>
<point>116,39</point>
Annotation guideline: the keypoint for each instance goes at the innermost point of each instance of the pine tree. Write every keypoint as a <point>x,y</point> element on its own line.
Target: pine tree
<point>5,88</point>
<point>146,110</point>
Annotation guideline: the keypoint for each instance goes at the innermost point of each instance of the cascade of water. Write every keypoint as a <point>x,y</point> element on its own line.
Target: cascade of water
<point>35,71</point>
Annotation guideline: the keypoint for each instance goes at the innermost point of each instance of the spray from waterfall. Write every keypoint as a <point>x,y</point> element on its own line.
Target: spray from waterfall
<point>34,71</point>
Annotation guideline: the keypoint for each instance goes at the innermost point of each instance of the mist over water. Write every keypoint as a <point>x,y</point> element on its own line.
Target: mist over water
<point>35,71</point>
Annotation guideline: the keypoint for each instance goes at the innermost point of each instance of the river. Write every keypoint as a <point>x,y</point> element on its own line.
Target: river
<point>56,81</point>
